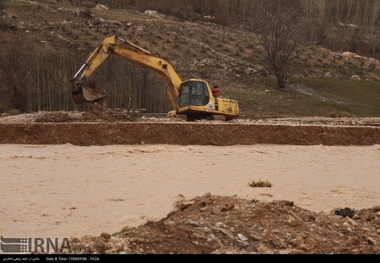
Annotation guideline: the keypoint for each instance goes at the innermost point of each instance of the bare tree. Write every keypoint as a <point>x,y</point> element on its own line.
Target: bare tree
<point>316,11</point>
<point>279,25</point>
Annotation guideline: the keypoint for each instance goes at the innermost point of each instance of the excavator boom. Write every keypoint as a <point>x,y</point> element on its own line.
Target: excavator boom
<point>84,93</point>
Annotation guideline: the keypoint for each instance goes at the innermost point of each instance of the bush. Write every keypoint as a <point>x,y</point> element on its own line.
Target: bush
<point>260,183</point>
<point>85,13</point>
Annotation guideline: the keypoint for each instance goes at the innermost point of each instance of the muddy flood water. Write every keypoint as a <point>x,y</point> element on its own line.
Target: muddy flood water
<point>72,191</point>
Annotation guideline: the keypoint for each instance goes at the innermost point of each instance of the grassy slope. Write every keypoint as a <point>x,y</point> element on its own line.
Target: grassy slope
<point>221,56</point>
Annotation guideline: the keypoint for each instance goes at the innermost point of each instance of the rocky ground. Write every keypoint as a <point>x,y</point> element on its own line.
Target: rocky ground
<point>229,225</point>
<point>219,224</point>
<point>120,115</point>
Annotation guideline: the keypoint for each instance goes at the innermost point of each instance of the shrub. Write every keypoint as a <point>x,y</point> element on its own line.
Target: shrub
<point>260,184</point>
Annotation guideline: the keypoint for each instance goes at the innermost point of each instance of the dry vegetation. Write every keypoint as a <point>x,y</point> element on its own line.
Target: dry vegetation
<point>260,183</point>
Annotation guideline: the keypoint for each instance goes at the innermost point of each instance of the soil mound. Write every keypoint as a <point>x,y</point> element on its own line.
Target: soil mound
<point>230,225</point>
<point>96,115</point>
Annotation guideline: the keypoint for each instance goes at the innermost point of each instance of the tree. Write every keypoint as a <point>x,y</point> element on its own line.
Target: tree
<point>278,25</point>
<point>14,68</point>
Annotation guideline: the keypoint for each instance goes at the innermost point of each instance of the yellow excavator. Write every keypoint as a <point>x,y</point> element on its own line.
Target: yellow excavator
<point>193,98</point>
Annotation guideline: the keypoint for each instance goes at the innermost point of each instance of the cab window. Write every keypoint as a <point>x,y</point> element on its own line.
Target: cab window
<point>194,94</point>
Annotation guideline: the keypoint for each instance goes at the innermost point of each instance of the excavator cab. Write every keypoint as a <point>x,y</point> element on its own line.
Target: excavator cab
<point>193,93</point>
<point>197,101</point>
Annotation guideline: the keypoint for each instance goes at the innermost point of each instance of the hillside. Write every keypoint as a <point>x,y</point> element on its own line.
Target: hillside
<point>230,58</point>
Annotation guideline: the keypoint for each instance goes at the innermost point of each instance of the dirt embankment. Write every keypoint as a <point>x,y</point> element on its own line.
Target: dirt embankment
<point>185,134</point>
<point>116,127</point>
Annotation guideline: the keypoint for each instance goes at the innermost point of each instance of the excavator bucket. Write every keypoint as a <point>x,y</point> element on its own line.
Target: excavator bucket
<point>88,94</point>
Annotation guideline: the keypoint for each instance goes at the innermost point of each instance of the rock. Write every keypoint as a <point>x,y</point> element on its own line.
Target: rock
<point>351,222</point>
<point>242,238</point>
<point>328,75</point>
<point>309,218</point>
<point>227,207</point>
<point>294,222</point>
<point>347,226</point>
<point>75,240</point>
<point>154,13</point>
<point>285,203</point>
<point>100,247</point>
<point>100,7</point>
<point>311,242</point>
<point>170,214</point>
<point>371,241</point>
<point>249,71</point>
<point>262,249</point>
<point>376,208</point>
<point>227,233</point>
<point>219,224</point>
<point>105,236</point>
<point>303,247</point>
<point>216,211</point>
<point>356,217</point>
<point>185,205</point>
<point>88,239</point>
<point>193,223</point>
<point>348,54</point>
<point>352,241</point>
<point>344,212</point>
<point>255,237</point>
<point>366,215</point>
<point>205,199</point>
<point>356,77</point>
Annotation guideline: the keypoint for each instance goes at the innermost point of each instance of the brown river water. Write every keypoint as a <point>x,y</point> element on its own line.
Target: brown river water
<point>72,191</point>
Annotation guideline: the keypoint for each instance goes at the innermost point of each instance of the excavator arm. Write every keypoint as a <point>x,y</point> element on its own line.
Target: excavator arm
<point>132,53</point>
